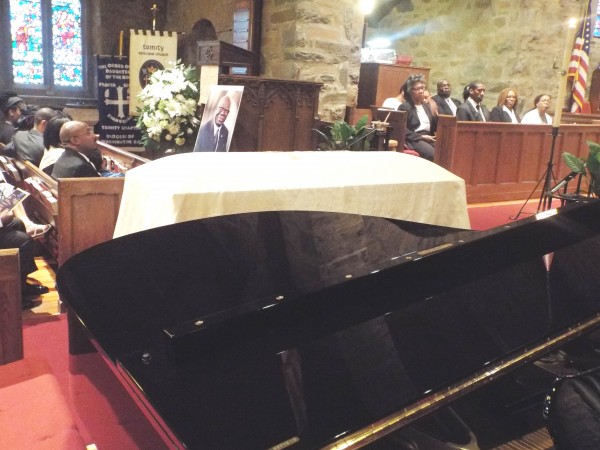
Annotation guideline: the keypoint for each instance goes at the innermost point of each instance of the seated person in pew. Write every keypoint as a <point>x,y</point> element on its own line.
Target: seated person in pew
<point>445,103</point>
<point>538,115</point>
<point>13,235</point>
<point>12,107</point>
<point>28,145</point>
<point>52,146</point>
<point>81,150</point>
<point>420,122</point>
<point>432,105</point>
<point>394,102</point>
<point>473,109</point>
<point>33,229</point>
<point>506,109</point>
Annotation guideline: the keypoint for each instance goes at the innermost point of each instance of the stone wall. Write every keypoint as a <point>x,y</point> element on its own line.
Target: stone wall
<point>315,41</point>
<point>499,42</point>
<point>183,14</point>
<point>306,40</point>
<point>110,17</point>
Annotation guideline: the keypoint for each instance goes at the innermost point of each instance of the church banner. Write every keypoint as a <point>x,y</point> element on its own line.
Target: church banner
<point>149,51</point>
<point>115,126</point>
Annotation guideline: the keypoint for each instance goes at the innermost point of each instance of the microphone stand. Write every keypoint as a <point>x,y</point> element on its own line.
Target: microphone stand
<point>362,138</point>
<point>545,202</point>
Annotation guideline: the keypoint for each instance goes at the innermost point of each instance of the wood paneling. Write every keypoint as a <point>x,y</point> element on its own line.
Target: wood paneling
<point>380,81</point>
<point>501,161</point>
<point>88,210</point>
<point>11,332</point>
<point>275,115</point>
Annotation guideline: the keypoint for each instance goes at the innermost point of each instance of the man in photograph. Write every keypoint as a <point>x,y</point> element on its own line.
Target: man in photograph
<point>213,134</point>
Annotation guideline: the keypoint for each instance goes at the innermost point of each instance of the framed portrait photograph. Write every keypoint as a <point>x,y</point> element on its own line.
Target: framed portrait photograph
<point>218,120</point>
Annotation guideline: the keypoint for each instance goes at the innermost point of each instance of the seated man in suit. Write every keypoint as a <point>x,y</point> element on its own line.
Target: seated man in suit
<point>81,157</point>
<point>445,104</point>
<point>472,109</point>
<point>28,145</point>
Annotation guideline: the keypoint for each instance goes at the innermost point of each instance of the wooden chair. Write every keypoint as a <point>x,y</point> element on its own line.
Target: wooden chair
<point>397,121</point>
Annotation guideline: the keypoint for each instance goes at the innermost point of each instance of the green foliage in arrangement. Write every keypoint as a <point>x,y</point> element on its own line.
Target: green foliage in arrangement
<point>343,136</point>
<point>589,168</point>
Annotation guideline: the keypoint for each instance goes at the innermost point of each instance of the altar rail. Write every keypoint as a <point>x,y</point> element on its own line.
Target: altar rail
<point>502,161</point>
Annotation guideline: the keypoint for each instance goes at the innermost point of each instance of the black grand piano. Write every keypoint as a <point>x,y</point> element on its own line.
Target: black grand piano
<point>306,330</point>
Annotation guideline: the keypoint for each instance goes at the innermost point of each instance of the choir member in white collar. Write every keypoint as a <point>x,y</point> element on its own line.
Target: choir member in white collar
<point>506,110</point>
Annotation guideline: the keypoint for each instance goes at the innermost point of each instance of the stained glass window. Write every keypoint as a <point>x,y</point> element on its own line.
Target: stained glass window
<point>27,48</point>
<point>66,41</point>
<point>597,22</point>
<point>35,59</point>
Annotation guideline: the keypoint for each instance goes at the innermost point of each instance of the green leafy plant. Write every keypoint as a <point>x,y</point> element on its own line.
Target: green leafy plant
<point>589,168</point>
<point>343,136</point>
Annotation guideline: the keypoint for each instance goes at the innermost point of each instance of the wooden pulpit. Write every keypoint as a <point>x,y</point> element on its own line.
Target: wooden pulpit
<point>275,115</point>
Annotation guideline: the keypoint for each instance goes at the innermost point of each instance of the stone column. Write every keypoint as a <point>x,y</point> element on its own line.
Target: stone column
<point>315,41</point>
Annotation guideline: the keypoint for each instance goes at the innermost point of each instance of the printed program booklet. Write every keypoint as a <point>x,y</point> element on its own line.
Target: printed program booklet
<point>10,196</point>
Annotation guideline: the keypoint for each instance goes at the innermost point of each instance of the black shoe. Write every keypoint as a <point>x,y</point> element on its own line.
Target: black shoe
<point>33,290</point>
<point>27,304</point>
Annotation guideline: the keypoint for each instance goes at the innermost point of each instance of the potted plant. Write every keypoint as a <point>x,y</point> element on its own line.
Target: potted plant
<point>588,168</point>
<point>343,136</point>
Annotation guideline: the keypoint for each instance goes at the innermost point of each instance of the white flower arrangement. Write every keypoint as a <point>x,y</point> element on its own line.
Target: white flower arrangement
<point>170,100</point>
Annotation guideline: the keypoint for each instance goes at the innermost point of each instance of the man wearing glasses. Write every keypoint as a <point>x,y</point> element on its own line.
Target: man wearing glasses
<point>213,134</point>
<point>81,156</point>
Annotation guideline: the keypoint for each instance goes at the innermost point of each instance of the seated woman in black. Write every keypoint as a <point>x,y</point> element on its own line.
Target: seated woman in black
<point>506,109</point>
<point>420,122</point>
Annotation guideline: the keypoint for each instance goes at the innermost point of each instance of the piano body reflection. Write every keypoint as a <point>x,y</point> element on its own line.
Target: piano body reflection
<point>307,330</point>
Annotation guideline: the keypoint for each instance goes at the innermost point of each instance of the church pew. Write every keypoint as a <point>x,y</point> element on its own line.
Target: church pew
<point>82,211</point>
<point>568,117</point>
<point>11,333</point>
<point>502,161</point>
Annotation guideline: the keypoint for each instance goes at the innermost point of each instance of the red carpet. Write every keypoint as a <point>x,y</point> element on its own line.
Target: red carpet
<point>491,216</point>
<point>105,413</point>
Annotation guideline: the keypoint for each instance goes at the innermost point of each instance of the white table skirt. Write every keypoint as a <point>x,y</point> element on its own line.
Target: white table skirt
<point>197,185</point>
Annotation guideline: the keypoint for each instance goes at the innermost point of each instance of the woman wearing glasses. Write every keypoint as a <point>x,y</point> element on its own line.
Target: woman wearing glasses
<point>420,122</point>
<point>538,115</point>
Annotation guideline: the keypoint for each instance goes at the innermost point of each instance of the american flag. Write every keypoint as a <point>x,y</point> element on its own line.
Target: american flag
<point>580,61</point>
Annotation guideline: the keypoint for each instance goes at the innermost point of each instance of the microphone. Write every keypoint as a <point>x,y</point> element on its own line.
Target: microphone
<point>362,138</point>
<point>563,182</point>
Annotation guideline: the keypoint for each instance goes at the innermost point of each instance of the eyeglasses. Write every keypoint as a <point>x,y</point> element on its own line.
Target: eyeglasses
<point>418,88</point>
<point>222,110</point>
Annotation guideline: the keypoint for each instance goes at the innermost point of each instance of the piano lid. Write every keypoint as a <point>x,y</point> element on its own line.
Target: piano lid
<point>298,328</point>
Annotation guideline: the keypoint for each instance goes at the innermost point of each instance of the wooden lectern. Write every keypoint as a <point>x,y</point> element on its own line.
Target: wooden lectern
<point>275,115</point>
<point>230,58</point>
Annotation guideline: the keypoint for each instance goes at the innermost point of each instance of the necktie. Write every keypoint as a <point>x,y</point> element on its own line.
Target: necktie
<point>479,114</point>
<point>216,142</point>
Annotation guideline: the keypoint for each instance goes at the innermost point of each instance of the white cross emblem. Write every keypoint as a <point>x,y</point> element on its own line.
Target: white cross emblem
<point>120,102</point>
